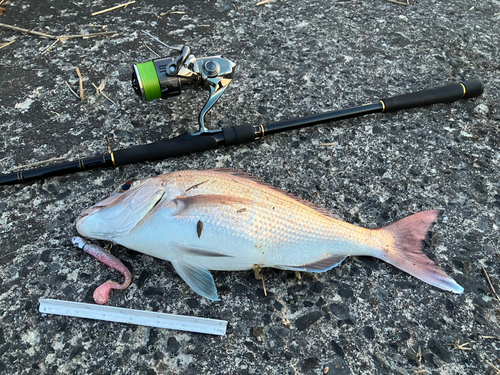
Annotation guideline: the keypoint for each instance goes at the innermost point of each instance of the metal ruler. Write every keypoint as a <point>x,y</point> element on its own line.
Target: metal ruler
<point>131,316</point>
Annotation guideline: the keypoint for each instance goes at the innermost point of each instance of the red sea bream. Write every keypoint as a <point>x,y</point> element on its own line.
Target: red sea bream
<point>227,220</point>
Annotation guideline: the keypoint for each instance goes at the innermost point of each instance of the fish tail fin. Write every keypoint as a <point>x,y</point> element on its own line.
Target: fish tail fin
<point>404,251</point>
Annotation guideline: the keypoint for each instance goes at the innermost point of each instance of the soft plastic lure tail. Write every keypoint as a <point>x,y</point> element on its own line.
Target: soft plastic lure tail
<point>101,294</point>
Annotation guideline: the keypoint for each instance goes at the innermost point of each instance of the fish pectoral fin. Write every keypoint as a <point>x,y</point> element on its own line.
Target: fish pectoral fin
<point>198,278</point>
<point>185,250</point>
<point>321,265</point>
<point>192,204</point>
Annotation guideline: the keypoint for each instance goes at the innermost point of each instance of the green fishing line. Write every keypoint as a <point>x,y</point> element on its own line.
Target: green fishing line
<point>149,79</point>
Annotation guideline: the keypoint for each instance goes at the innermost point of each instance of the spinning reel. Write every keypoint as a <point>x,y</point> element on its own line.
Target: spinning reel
<point>169,76</point>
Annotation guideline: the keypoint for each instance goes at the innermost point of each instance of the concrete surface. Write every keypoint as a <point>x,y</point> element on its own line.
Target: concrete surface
<point>294,58</point>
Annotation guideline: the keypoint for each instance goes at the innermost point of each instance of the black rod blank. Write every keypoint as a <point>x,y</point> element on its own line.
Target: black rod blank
<point>188,143</point>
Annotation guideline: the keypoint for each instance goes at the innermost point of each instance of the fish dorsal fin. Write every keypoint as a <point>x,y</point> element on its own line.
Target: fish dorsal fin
<point>185,204</point>
<point>321,265</point>
<point>198,278</point>
<point>248,176</point>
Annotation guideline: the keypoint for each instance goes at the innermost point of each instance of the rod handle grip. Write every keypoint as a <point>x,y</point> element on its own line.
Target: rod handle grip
<point>444,94</point>
<point>164,149</point>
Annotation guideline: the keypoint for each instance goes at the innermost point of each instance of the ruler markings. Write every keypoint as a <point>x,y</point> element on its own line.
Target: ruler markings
<point>131,316</point>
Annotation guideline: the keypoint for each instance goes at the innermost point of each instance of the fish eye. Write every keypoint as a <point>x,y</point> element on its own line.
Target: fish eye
<point>126,186</point>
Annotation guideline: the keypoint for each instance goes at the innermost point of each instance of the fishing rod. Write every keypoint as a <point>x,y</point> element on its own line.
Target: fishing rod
<point>169,76</point>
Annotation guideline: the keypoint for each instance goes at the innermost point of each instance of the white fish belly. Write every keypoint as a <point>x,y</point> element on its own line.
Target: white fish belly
<point>217,247</point>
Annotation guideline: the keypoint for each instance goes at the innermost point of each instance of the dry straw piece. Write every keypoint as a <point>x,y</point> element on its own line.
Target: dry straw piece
<point>7,44</point>
<point>113,8</point>
<point>60,38</point>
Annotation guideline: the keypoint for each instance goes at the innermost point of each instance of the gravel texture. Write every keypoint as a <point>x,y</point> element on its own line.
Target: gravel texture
<point>294,58</point>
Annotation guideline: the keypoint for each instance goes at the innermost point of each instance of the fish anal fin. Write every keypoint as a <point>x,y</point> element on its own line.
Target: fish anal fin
<point>198,278</point>
<point>321,265</point>
<point>184,204</point>
<point>249,177</point>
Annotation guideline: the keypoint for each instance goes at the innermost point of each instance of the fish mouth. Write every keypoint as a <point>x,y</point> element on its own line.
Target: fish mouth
<point>89,211</point>
<point>108,202</point>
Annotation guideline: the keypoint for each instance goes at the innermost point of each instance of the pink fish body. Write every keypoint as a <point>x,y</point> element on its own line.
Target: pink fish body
<point>227,220</point>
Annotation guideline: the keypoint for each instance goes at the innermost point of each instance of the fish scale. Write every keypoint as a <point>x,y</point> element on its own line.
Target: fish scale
<point>248,224</point>
<point>268,225</point>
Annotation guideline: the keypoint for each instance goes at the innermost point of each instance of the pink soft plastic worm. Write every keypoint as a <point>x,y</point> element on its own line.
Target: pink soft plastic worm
<point>101,294</point>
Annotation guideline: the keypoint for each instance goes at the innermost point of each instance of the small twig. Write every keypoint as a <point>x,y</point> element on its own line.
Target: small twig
<point>6,255</point>
<point>100,89</point>
<point>38,163</point>
<point>50,47</point>
<point>263,2</point>
<point>1,2</point>
<point>170,12</point>
<point>107,97</point>
<point>257,271</point>
<point>113,8</point>
<point>64,38</point>
<point>400,2</point>
<point>151,49</point>
<point>7,44</point>
<point>109,144</point>
<point>491,285</point>
<point>69,87</point>
<point>456,345</point>
<point>101,26</point>
<point>27,31</point>
<point>327,144</point>
<point>56,38</point>
<point>82,95</point>
<point>490,337</point>
<point>84,36</point>
<point>496,368</point>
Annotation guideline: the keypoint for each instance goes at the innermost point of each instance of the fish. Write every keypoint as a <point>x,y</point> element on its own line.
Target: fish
<point>228,220</point>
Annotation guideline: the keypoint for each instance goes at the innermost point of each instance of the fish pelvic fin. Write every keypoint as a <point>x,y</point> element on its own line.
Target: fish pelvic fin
<point>198,278</point>
<point>404,251</point>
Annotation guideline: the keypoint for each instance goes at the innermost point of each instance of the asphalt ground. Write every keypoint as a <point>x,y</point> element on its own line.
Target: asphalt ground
<point>294,58</point>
